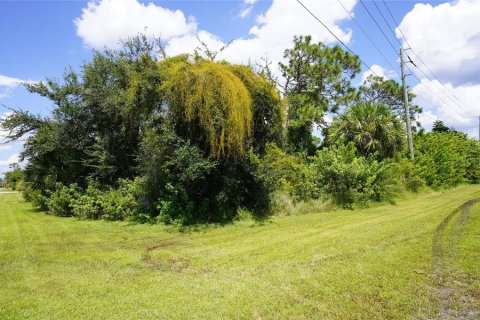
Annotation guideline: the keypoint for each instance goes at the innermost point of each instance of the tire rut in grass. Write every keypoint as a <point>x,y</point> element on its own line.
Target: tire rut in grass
<point>454,303</point>
<point>172,264</point>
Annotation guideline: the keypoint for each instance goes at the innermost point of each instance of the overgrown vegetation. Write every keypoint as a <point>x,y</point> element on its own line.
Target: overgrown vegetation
<point>139,136</point>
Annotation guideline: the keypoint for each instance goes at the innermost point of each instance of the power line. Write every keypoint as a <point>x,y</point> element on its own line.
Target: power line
<point>436,85</point>
<point>433,92</point>
<point>386,22</point>
<point>458,102</point>
<point>363,62</point>
<point>379,28</point>
<point>366,34</point>
<point>335,36</point>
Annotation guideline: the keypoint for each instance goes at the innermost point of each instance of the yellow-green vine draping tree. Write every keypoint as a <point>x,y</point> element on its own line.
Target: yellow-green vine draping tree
<point>208,95</point>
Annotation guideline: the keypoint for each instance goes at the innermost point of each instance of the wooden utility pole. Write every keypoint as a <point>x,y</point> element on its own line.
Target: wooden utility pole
<point>405,102</point>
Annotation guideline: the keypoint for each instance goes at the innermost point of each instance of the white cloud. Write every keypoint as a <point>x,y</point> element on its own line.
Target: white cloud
<point>245,12</point>
<point>189,42</point>
<point>274,30</point>
<point>14,158</point>
<point>427,118</point>
<point>247,8</point>
<point>437,105</point>
<point>5,164</point>
<point>7,84</point>
<point>380,71</point>
<point>447,38</point>
<point>9,81</point>
<point>104,23</point>
<point>5,147</point>
<point>450,47</point>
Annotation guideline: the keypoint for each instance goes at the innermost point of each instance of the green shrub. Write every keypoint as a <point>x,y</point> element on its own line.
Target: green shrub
<point>350,179</point>
<point>445,159</point>
<point>175,206</point>
<point>36,197</point>
<point>409,176</point>
<point>62,200</point>
<point>290,173</point>
<point>183,184</point>
<point>89,205</point>
<point>122,203</point>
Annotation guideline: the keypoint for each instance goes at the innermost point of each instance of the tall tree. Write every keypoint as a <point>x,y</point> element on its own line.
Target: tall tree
<point>317,79</point>
<point>95,126</point>
<point>390,93</point>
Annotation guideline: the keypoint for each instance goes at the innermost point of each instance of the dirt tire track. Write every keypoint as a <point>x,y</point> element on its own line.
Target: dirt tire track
<point>442,247</point>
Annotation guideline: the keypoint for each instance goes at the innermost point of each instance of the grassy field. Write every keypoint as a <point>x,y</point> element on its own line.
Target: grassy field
<point>414,260</point>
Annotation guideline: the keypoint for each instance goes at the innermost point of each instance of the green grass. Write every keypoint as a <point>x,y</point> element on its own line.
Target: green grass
<point>366,264</point>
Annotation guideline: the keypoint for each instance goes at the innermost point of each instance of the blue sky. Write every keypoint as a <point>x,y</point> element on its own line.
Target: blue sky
<point>41,38</point>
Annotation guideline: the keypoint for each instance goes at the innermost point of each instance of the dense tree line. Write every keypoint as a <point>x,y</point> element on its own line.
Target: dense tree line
<point>137,135</point>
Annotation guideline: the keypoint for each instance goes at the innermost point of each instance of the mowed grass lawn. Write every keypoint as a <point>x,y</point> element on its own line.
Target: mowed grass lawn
<point>376,263</point>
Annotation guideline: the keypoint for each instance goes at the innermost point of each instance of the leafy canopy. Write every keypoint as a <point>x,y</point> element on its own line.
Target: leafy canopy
<point>373,129</point>
<point>317,79</point>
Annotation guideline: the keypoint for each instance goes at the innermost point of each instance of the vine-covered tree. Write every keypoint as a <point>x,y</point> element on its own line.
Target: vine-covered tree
<point>186,125</point>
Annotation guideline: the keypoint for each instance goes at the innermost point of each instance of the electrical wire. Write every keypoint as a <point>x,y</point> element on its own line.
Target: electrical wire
<point>433,93</point>
<point>335,36</point>
<point>366,35</point>
<point>457,102</point>
<point>386,22</point>
<point>351,51</point>
<point>379,28</point>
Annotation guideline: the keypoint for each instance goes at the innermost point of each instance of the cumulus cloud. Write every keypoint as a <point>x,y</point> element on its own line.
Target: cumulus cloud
<point>438,106</point>
<point>447,38</point>
<point>189,42</point>
<point>7,84</point>
<point>274,30</point>
<point>104,23</point>
<point>450,47</point>
<point>380,71</point>
<point>14,158</point>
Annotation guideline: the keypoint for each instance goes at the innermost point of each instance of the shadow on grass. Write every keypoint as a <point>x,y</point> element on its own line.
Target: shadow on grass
<point>256,221</point>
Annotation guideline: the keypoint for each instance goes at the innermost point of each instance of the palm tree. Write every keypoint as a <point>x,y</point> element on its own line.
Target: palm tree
<point>373,128</point>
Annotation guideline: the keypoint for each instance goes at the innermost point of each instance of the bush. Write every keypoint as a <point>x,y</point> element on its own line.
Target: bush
<point>409,176</point>
<point>62,200</point>
<point>290,173</point>
<point>121,203</point>
<point>349,179</point>
<point>36,197</point>
<point>175,206</point>
<point>89,204</point>
<point>446,159</point>
<point>185,185</point>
